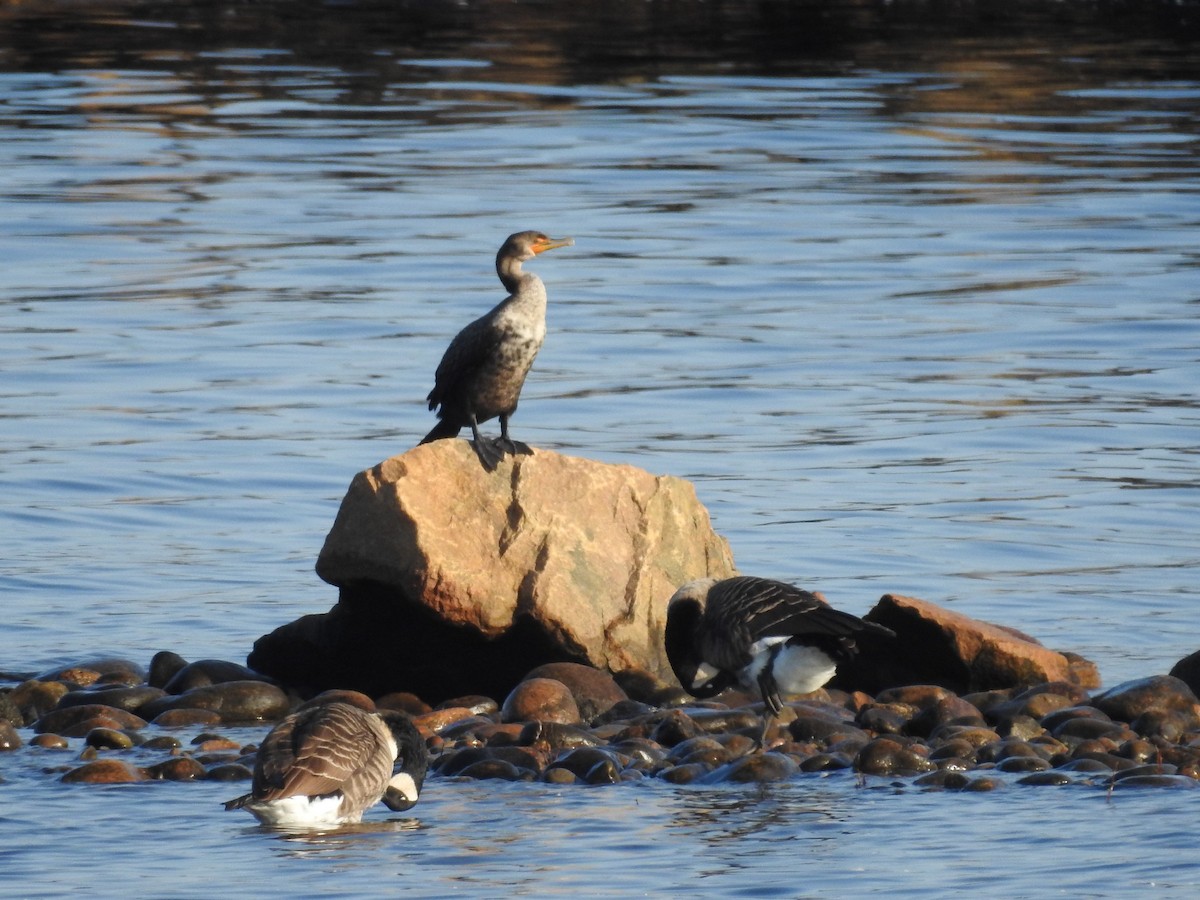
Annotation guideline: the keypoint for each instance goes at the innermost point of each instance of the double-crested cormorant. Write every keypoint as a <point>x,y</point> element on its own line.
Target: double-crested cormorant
<point>758,633</point>
<point>482,372</point>
<point>325,764</point>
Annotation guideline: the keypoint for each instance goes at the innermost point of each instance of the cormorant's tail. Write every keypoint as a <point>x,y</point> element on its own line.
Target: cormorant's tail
<point>446,428</point>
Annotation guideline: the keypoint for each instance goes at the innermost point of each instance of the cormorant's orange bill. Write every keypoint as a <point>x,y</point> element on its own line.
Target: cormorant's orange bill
<point>542,245</point>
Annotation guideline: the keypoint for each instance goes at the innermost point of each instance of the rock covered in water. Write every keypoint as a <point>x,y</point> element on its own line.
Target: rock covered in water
<point>456,579</point>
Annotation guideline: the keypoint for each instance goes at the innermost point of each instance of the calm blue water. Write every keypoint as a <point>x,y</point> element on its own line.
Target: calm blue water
<point>917,310</point>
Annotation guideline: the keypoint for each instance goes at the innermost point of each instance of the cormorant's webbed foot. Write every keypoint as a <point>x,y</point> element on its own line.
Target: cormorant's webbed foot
<point>489,452</point>
<point>517,448</point>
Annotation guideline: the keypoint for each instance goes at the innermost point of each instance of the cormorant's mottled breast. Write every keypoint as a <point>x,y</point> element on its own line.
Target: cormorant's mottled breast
<point>482,372</point>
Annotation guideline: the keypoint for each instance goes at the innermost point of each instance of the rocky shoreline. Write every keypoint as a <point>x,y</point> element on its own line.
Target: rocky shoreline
<point>518,617</point>
<point>568,723</point>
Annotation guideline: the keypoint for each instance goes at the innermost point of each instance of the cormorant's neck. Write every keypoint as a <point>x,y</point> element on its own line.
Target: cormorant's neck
<point>509,270</point>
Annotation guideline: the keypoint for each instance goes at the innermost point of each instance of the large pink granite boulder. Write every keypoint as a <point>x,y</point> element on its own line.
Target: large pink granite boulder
<point>455,580</point>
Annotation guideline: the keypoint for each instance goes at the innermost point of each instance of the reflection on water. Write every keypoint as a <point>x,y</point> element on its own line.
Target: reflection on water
<point>909,292</point>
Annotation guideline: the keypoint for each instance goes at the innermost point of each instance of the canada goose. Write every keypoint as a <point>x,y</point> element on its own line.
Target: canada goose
<point>759,633</point>
<point>326,764</point>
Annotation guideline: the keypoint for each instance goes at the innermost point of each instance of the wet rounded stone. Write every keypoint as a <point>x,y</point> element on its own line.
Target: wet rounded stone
<point>975,736</point>
<point>948,710</point>
<point>1053,720</point>
<point>439,720</point>
<point>162,742</point>
<point>583,759</point>
<point>556,735</point>
<point>1159,781</point>
<point>33,699</point>
<point>454,761</point>
<point>949,780</point>
<point>813,727</point>
<point>1085,766</point>
<point>1049,777</point>
<point>886,719</point>
<point>9,739</point>
<point>214,744</point>
<point>641,752</point>
<point>757,767</point>
<point>1159,693</point>
<point>163,667</point>
<point>237,702</point>
<point>77,721</point>
<point>470,727</point>
<point>688,774</point>
<point>111,670</point>
<point>229,772</point>
<point>208,672</point>
<point>885,756</point>
<point>1086,728</point>
<point>825,762</point>
<point>477,704</point>
<point>130,699</point>
<point>1139,771</point>
<point>956,748</point>
<point>339,695</point>
<point>1034,705</point>
<point>105,771</point>
<point>184,718</point>
<point>500,769</point>
<point>723,721</point>
<point>178,768</point>
<point>1022,727</point>
<point>918,695</point>
<point>50,742</point>
<point>412,705</point>
<point>541,700</point>
<point>604,772</point>
<point>674,728</point>
<point>623,711</point>
<point>983,784</point>
<point>559,775</point>
<point>594,690</point>
<point>1023,764</point>
<point>702,743</point>
<point>708,756</point>
<point>108,739</point>
<point>1111,760</point>
<point>1171,724</point>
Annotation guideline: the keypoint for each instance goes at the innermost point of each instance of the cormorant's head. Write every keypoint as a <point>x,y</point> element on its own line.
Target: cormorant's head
<point>525,245</point>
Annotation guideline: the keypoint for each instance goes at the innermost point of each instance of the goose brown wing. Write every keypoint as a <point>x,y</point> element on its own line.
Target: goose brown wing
<point>316,751</point>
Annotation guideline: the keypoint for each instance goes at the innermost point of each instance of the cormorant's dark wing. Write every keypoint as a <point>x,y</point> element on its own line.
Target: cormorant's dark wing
<point>467,354</point>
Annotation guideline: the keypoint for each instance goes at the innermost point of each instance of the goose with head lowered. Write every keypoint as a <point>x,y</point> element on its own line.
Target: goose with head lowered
<point>326,764</point>
<point>762,634</point>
